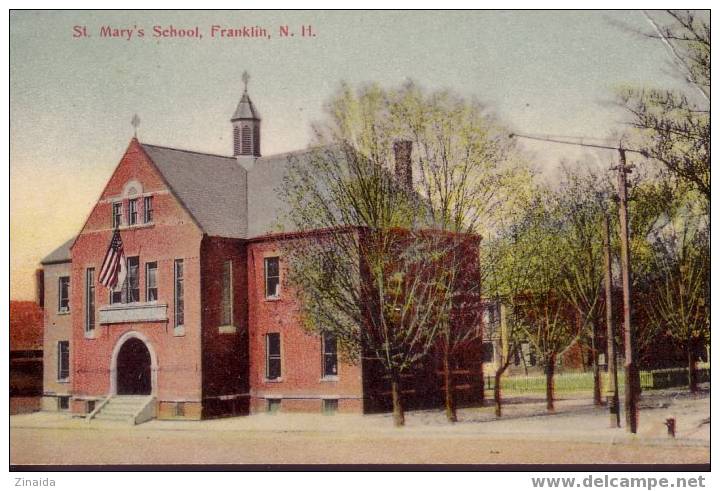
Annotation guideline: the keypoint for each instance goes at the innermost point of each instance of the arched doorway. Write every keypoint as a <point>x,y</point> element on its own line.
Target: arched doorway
<point>134,368</point>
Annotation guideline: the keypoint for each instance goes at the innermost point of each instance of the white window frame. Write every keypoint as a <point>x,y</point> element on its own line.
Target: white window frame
<point>119,215</point>
<point>132,211</point>
<point>147,281</point>
<point>59,361</point>
<point>277,291</point>
<point>278,356</point>
<point>146,200</point>
<point>90,296</point>
<point>175,293</point>
<point>231,295</point>
<point>66,309</point>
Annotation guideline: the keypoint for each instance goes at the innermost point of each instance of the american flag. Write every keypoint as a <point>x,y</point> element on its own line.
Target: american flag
<point>113,269</point>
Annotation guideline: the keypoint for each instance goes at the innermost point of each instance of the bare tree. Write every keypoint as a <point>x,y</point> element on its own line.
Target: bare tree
<point>681,285</point>
<point>365,270</point>
<point>470,176</point>
<point>673,127</point>
<point>547,320</point>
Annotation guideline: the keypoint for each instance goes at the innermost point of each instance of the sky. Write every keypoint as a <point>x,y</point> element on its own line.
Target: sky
<point>72,98</point>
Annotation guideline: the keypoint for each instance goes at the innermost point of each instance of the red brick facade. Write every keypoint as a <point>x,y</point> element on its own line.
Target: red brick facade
<point>214,363</point>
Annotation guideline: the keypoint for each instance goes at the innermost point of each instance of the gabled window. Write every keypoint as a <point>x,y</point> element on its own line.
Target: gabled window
<point>273,368</point>
<point>329,355</point>
<point>116,215</point>
<point>151,290</point>
<point>272,277</point>
<point>63,363</point>
<point>148,209</point>
<point>89,299</point>
<point>132,211</point>
<point>64,294</point>
<point>179,294</point>
<point>227,294</point>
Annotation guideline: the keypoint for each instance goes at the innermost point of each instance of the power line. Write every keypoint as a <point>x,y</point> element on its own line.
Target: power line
<point>577,144</point>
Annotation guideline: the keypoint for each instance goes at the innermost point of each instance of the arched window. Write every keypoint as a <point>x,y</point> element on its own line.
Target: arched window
<point>246,140</point>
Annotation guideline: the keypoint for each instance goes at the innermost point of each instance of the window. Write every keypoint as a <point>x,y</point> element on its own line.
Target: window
<point>227,294</point>
<point>133,279</point>
<point>329,355</point>
<point>151,291</point>
<point>236,141</point>
<point>179,294</point>
<point>63,363</point>
<point>90,406</point>
<point>63,403</point>
<point>488,353</point>
<point>89,299</point>
<point>329,406</point>
<point>148,209</point>
<point>272,277</point>
<point>116,214</point>
<point>272,350</point>
<point>132,211</point>
<point>179,409</point>
<point>64,294</point>
<point>246,140</point>
<point>273,405</point>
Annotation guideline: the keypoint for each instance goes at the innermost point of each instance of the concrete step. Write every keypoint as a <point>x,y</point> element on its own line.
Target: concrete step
<point>118,410</point>
<point>113,417</point>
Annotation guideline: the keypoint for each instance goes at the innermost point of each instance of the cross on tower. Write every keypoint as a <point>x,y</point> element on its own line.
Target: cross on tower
<point>135,122</point>
<point>245,79</point>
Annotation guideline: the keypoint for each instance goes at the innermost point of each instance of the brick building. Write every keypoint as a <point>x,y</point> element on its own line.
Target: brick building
<point>26,348</point>
<point>202,326</point>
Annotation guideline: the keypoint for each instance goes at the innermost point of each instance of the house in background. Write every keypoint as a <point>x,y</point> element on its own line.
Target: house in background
<point>26,355</point>
<point>58,329</point>
<point>203,325</point>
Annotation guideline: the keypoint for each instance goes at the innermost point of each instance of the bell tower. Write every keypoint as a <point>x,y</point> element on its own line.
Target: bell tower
<point>246,129</point>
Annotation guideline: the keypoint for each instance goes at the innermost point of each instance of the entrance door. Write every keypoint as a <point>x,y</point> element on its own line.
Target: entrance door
<point>133,369</point>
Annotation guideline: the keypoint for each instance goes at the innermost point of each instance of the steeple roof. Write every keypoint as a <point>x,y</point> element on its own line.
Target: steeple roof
<point>245,109</point>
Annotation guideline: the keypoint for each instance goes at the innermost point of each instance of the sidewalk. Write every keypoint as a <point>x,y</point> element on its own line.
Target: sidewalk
<point>575,420</point>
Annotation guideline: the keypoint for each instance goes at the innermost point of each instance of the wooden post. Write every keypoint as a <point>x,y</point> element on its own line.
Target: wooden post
<point>631,372</point>
<point>613,395</point>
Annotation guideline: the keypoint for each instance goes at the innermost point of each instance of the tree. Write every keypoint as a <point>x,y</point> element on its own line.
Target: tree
<point>547,320</point>
<point>681,284</point>
<point>366,266</point>
<point>507,279</point>
<point>469,176</point>
<point>673,127</point>
<point>581,245</point>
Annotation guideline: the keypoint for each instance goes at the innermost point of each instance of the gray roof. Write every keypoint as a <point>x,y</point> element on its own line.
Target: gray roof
<point>245,109</point>
<point>267,211</point>
<point>59,255</point>
<point>212,188</point>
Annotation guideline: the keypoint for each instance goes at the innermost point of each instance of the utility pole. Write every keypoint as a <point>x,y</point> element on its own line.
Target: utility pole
<point>613,395</point>
<point>631,372</point>
<point>632,375</point>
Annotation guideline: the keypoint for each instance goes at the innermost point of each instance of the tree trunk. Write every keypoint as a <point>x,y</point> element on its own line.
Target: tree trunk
<point>450,410</point>
<point>692,369</point>
<point>497,392</point>
<point>597,389</point>
<point>398,411</point>
<point>550,382</point>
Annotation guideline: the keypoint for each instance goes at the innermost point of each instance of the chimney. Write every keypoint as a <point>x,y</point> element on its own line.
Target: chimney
<point>403,163</point>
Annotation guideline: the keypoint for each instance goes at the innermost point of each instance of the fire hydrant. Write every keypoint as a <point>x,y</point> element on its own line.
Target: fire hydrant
<point>670,423</point>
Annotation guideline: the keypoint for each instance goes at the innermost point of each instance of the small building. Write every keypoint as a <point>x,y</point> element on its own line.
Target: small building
<point>26,352</point>
<point>57,375</point>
